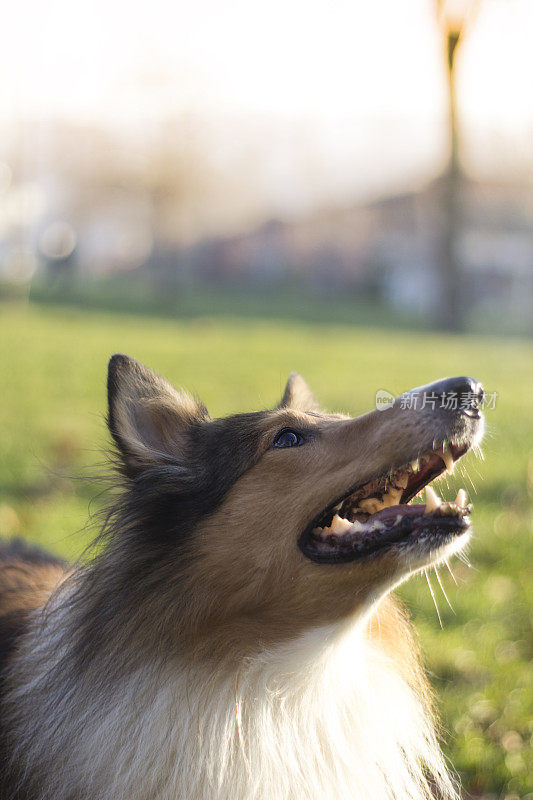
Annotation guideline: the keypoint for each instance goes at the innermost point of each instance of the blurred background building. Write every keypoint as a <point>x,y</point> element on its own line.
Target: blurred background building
<point>381,151</point>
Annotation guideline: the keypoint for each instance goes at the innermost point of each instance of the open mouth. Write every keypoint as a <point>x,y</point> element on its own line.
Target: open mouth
<point>379,514</point>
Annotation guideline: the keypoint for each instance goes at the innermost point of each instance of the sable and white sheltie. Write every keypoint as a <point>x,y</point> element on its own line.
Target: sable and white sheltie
<point>235,636</point>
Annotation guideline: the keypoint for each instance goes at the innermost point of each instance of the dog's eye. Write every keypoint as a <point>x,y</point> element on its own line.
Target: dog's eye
<point>288,438</point>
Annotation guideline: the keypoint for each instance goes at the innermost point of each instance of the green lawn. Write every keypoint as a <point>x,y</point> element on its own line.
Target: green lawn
<point>53,366</point>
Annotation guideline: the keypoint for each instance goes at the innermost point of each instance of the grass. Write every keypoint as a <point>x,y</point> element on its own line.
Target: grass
<point>53,363</point>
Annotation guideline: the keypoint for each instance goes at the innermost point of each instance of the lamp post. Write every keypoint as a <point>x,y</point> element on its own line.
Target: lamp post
<point>454,16</point>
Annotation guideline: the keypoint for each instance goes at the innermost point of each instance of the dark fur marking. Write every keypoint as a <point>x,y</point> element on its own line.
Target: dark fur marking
<point>18,549</point>
<point>154,519</point>
<point>22,565</point>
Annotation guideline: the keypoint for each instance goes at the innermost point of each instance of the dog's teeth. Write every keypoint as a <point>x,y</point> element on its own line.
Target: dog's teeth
<point>415,465</point>
<point>339,525</point>
<point>433,501</point>
<point>447,457</point>
<point>370,505</point>
<point>357,527</point>
<point>402,481</point>
<point>392,498</point>
<point>461,498</point>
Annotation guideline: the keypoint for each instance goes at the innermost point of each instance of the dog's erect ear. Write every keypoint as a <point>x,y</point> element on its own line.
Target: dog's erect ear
<point>298,395</point>
<point>148,419</point>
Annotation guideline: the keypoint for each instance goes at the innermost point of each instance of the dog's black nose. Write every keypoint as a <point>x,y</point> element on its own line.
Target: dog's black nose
<point>454,394</point>
<point>468,391</point>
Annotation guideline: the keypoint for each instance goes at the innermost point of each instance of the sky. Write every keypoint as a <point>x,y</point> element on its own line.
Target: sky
<point>352,91</point>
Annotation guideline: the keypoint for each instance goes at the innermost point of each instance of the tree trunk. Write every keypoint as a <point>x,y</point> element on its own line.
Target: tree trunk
<point>450,310</point>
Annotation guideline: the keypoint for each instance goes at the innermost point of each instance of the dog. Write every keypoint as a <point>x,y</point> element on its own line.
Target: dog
<point>234,635</point>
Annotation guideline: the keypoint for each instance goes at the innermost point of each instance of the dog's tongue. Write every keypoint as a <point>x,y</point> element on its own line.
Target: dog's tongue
<point>390,514</point>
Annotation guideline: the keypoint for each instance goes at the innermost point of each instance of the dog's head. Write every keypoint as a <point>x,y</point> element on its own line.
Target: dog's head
<point>262,525</point>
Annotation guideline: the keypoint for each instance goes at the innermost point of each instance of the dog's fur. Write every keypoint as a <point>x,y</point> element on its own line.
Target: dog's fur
<point>200,655</point>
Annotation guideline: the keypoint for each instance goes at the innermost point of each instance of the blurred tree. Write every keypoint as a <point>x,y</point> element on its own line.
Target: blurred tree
<point>454,16</point>
<point>175,179</point>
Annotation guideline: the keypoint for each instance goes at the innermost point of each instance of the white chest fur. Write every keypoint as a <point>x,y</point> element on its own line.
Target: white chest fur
<point>326,717</point>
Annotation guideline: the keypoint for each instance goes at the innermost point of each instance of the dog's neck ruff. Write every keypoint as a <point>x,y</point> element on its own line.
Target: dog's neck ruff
<point>325,717</point>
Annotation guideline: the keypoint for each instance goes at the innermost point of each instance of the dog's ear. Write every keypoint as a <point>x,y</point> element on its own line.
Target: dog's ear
<point>149,420</point>
<point>298,395</point>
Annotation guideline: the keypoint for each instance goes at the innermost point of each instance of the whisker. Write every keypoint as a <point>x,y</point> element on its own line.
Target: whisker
<point>442,589</point>
<point>478,472</point>
<point>433,596</point>
<point>450,571</point>
<point>465,561</point>
<point>490,431</point>
<point>472,482</point>
<point>479,452</point>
